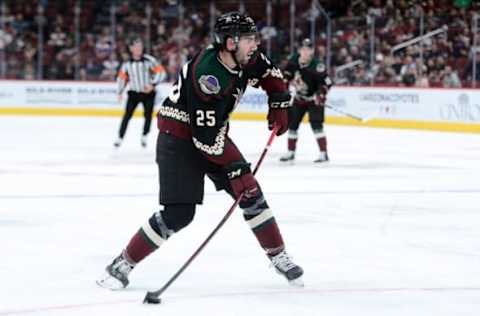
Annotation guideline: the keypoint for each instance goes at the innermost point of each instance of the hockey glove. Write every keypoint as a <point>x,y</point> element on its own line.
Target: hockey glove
<point>242,179</point>
<point>321,96</point>
<point>278,104</point>
<point>278,117</point>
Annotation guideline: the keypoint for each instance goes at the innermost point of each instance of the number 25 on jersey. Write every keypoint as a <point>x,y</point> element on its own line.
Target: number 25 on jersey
<point>205,118</point>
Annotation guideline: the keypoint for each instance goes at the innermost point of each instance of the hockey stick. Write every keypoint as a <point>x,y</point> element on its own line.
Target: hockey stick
<point>154,297</point>
<point>350,115</point>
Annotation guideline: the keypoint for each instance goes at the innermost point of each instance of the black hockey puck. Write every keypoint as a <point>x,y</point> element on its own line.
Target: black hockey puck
<point>151,298</point>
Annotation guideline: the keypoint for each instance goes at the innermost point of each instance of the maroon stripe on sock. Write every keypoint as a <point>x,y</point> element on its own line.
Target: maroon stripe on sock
<point>139,247</point>
<point>322,143</point>
<point>269,237</point>
<point>292,144</point>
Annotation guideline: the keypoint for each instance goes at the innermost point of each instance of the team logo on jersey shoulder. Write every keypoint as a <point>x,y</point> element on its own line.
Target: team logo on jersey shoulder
<point>209,84</point>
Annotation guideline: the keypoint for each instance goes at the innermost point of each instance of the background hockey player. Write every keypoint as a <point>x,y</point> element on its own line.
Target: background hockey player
<point>311,82</point>
<point>193,142</point>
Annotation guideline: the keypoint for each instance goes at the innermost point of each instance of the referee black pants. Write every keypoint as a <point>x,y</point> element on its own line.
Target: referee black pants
<point>134,98</point>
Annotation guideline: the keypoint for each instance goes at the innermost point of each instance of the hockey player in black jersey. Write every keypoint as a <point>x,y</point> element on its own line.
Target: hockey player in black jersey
<point>311,83</point>
<point>193,142</point>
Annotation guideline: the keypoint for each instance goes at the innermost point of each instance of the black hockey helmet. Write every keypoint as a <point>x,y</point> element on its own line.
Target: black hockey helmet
<point>234,25</point>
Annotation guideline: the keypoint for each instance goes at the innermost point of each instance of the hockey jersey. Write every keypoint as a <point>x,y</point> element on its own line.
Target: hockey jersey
<point>307,79</point>
<point>207,92</point>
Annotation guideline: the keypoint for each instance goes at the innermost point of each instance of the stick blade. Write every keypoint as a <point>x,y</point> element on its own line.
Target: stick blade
<point>151,298</point>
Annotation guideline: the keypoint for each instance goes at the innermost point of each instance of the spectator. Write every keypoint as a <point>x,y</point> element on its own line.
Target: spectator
<point>450,78</point>
<point>435,79</point>
<point>408,64</point>
<point>360,77</point>
<point>57,38</point>
<point>395,22</point>
<point>6,37</point>
<point>409,78</point>
<point>397,65</point>
<point>422,81</point>
<point>29,72</point>
<point>110,67</point>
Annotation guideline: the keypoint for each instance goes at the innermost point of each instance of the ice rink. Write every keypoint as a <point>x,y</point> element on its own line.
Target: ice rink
<point>390,227</point>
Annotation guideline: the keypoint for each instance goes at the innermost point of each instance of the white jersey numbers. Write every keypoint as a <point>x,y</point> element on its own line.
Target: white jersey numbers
<point>205,118</point>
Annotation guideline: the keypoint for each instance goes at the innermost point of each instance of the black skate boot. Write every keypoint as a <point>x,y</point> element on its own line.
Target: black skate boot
<point>323,157</point>
<point>284,265</point>
<point>288,157</point>
<point>116,274</point>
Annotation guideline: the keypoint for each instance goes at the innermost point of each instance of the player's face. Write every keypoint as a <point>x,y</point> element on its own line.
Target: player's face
<point>247,45</point>
<point>306,53</point>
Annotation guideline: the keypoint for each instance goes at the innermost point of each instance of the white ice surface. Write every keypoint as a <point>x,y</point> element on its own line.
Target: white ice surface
<point>390,227</point>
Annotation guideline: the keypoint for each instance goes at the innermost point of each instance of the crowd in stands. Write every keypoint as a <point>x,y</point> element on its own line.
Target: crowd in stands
<point>444,61</point>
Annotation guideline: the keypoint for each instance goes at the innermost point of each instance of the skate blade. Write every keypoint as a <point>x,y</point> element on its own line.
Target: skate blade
<point>110,283</point>
<point>298,282</point>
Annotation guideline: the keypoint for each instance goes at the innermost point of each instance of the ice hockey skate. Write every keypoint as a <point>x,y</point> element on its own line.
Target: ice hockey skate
<point>288,157</point>
<point>116,274</point>
<point>322,158</point>
<point>285,266</point>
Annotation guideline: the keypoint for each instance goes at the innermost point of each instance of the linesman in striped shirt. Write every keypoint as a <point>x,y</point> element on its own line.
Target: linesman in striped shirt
<point>140,74</point>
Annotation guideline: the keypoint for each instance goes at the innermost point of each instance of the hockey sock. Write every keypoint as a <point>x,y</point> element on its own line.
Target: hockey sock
<point>292,140</point>
<point>266,231</point>
<point>145,241</point>
<point>321,141</point>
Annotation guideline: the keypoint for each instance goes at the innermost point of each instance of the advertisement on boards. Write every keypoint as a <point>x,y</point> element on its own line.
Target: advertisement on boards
<point>441,105</point>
